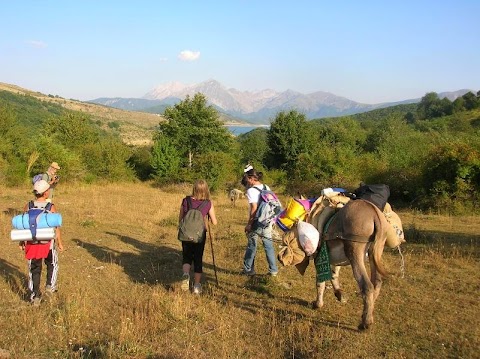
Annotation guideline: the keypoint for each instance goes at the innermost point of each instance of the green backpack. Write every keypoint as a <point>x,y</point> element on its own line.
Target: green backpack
<point>192,227</point>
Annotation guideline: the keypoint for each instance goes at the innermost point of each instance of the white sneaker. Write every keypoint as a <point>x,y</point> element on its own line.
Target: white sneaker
<point>197,288</point>
<point>185,282</point>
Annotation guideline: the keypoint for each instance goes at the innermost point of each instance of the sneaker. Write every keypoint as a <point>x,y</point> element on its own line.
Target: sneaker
<point>49,290</point>
<point>185,282</point>
<point>197,288</point>
<point>36,301</point>
<point>248,273</point>
<point>273,274</point>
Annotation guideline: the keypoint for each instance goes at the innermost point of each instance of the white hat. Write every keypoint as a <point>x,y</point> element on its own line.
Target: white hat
<point>41,186</point>
<point>247,168</point>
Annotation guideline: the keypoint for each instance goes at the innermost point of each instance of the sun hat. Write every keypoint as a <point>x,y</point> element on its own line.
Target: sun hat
<point>41,186</point>
<point>55,165</point>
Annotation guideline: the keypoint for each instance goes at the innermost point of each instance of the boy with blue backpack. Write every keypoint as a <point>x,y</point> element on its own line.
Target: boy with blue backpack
<point>263,207</point>
<point>37,252</point>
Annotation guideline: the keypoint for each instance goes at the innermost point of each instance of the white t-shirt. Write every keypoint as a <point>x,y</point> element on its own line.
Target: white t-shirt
<point>253,195</point>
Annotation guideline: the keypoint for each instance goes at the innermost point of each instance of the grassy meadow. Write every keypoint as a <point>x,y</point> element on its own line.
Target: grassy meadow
<point>119,294</point>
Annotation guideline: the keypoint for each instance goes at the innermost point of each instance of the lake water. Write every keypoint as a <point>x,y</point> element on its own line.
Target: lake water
<point>239,130</point>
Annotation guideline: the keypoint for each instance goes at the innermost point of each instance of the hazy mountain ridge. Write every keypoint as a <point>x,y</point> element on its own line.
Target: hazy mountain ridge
<point>257,107</point>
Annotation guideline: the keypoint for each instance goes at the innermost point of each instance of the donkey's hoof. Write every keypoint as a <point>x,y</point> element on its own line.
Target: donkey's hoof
<point>316,305</point>
<point>363,326</point>
<point>340,296</point>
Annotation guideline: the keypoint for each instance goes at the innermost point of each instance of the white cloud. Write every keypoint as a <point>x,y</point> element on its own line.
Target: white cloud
<point>163,59</point>
<point>37,44</point>
<point>187,55</point>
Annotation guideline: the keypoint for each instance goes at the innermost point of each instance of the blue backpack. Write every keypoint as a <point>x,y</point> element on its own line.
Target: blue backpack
<point>33,213</point>
<point>269,207</point>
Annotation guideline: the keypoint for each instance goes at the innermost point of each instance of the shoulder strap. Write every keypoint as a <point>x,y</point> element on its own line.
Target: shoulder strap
<point>189,202</point>
<point>30,205</point>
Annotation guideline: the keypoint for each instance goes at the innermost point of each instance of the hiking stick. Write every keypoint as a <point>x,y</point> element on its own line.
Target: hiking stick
<point>213,254</point>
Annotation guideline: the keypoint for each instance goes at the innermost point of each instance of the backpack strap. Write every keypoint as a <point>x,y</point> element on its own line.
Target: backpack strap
<point>189,202</point>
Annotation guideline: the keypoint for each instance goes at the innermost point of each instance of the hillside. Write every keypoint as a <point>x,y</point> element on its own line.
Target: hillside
<point>135,128</point>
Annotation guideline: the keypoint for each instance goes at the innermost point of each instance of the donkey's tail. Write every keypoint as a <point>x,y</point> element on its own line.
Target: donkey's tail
<point>379,243</point>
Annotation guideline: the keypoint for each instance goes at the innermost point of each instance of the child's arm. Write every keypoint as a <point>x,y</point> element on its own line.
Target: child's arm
<point>58,233</point>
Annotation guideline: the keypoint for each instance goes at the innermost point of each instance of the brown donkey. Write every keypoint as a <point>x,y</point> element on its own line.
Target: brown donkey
<point>357,229</point>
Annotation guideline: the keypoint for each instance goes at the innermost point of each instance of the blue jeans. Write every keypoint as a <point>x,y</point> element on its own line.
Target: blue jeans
<point>265,234</point>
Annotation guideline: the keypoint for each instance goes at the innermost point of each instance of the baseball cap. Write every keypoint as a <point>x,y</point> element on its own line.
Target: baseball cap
<point>55,165</point>
<point>41,186</point>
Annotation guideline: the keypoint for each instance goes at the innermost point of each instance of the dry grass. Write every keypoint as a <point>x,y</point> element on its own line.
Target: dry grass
<point>119,295</point>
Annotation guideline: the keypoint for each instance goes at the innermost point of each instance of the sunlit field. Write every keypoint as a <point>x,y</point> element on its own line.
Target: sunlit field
<point>119,293</point>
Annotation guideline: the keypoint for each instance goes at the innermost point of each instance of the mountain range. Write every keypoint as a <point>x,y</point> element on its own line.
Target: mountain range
<point>254,107</point>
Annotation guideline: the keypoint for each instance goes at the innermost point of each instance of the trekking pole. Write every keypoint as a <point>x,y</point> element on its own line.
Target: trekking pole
<point>213,254</point>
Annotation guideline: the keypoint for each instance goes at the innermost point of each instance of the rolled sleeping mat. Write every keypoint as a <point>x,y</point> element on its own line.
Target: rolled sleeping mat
<point>43,234</point>
<point>44,220</point>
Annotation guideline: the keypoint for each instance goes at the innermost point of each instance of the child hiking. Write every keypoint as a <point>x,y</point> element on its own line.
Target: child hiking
<point>254,230</point>
<point>37,252</point>
<point>194,213</point>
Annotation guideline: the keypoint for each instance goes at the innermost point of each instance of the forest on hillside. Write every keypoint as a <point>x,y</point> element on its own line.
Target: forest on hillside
<point>428,153</point>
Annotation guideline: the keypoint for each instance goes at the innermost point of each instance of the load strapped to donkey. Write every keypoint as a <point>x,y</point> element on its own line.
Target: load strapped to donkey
<point>350,229</point>
<point>301,215</point>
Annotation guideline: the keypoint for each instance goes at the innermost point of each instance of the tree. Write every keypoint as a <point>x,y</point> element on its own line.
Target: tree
<point>431,106</point>
<point>165,160</point>
<point>194,128</point>
<point>287,138</point>
<point>253,146</point>
<point>471,101</point>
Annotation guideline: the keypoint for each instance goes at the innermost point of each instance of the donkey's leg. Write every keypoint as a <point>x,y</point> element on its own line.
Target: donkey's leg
<point>336,284</point>
<point>355,252</point>
<point>375,276</point>
<point>320,290</point>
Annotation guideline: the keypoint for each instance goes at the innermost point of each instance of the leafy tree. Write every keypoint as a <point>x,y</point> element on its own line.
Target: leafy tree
<point>459,104</point>
<point>165,160</point>
<point>452,176</point>
<point>253,146</point>
<point>471,101</point>
<point>141,162</point>
<point>287,138</point>
<point>194,128</point>
<point>217,168</point>
<point>431,106</point>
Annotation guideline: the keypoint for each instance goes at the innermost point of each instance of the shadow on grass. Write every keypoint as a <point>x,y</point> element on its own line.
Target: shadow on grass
<point>150,264</point>
<point>12,212</point>
<point>15,278</point>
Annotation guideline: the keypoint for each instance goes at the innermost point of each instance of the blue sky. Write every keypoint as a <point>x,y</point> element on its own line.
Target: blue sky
<point>367,51</point>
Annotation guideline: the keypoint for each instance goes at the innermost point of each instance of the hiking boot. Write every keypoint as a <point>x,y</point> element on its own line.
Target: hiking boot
<point>197,289</point>
<point>185,282</point>
<point>250,273</point>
